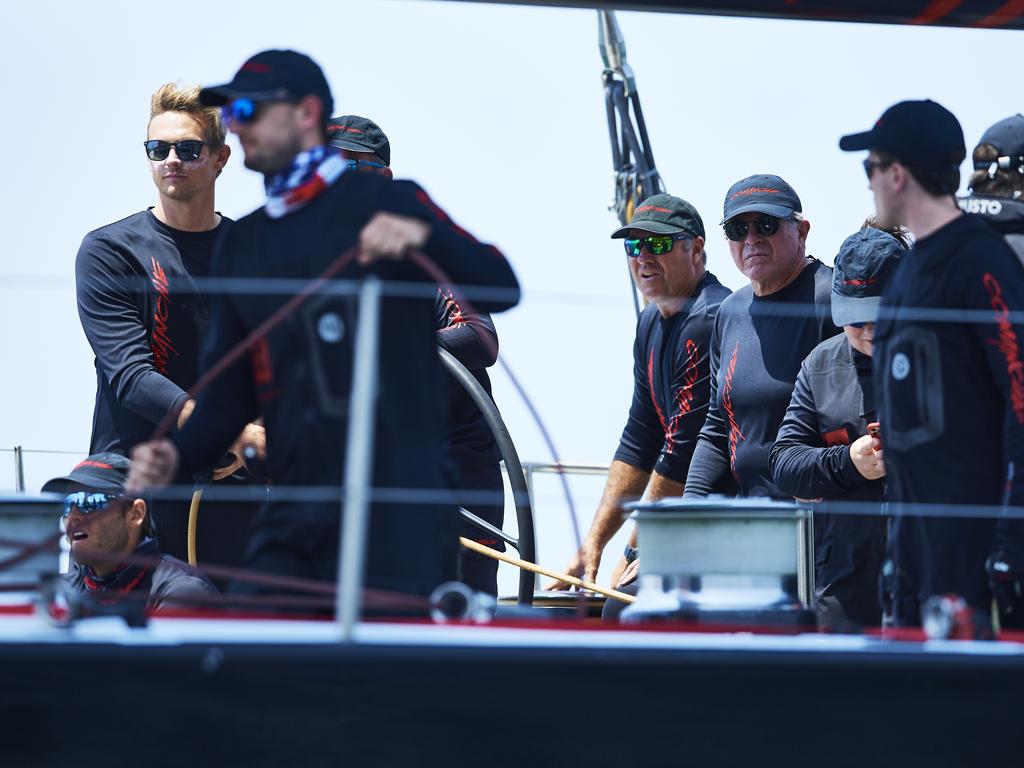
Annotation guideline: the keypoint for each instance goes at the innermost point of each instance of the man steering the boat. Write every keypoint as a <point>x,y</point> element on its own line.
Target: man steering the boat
<point>671,369</point>
<point>949,376</point>
<point>319,218</point>
<point>114,549</point>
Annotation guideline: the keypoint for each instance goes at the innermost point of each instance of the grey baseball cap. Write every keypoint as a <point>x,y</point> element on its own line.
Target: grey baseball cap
<point>358,134</point>
<point>761,193</point>
<point>664,215</point>
<point>866,262</point>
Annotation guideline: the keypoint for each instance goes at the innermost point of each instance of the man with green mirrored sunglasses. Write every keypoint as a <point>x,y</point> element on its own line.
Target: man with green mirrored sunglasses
<point>671,367</point>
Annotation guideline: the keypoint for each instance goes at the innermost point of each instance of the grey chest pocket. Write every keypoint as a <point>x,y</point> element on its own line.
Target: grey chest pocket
<point>328,324</point>
<point>913,388</point>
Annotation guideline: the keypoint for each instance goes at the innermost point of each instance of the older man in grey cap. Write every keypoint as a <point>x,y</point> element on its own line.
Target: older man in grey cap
<point>762,334</point>
<point>671,365</point>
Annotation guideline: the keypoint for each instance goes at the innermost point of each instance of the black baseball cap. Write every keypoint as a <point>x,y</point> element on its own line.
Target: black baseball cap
<point>921,134</point>
<point>865,263</point>
<point>272,75</point>
<point>1007,136</point>
<point>102,472</point>
<point>359,134</point>
<point>664,215</point>
<point>761,193</point>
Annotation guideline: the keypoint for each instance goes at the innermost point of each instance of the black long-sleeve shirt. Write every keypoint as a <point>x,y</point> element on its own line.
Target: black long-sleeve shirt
<point>757,347</point>
<point>299,376</point>
<point>951,392</point>
<point>671,384</point>
<point>471,339</point>
<point>143,317</point>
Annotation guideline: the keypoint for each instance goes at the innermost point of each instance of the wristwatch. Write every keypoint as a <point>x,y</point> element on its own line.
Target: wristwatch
<point>631,553</point>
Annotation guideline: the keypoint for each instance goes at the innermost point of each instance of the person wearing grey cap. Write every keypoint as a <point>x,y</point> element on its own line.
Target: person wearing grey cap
<point>997,184</point>
<point>824,451</point>
<point>114,549</point>
<point>664,246</point>
<point>948,375</point>
<point>762,334</point>
<point>360,141</point>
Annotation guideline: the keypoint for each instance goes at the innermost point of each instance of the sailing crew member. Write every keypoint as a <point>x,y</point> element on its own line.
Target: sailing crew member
<point>997,184</point>
<point>824,451</point>
<point>361,142</point>
<point>671,370</point>
<point>298,374</point>
<point>950,388</point>
<point>762,334</point>
<point>114,549</point>
<point>143,314</point>
<point>470,337</point>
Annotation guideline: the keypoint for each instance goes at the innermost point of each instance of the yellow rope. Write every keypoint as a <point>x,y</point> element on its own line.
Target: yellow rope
<point>193,518</point>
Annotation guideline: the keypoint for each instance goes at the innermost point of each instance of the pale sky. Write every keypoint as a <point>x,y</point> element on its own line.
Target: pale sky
<point>498,112</point>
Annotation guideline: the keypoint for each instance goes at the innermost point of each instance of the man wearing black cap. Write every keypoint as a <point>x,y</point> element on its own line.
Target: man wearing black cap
<point>671,366</point>
<point>949,378</point>
<point>113,542</point>
<point>824,451</point>
<point>361,142</point>
<point>997,184</point>
<point>298,374</point>
<point>762,334</point>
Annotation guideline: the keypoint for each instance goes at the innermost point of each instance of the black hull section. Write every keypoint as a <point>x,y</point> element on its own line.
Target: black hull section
<point>263,705</point>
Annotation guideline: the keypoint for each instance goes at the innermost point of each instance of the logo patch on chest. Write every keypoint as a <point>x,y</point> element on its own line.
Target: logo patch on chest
<point>839,436</point>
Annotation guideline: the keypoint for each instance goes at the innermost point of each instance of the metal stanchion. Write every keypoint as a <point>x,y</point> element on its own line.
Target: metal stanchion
<point>19,469</point>
<point>805,556</point>
<point>358,461</point>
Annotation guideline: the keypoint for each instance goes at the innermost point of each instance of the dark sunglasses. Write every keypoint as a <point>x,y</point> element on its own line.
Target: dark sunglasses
<point>870,165</point>
<point>736,229</point>
<point>187,150</point>
<point>656,245</point>
<point>87,503</point>
<point>858,325</point>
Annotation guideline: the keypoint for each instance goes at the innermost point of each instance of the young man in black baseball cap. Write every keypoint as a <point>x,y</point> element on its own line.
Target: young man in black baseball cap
<point>950,387</point>
<point>664,246</point>
<point>299,374</point>
<point>823,449</point>
<point>113,543</point>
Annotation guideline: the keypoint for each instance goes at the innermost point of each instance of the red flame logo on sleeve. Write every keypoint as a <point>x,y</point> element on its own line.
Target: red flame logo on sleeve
<point>161,343</point>
<point>1007,343</point>
<point>735,435</point>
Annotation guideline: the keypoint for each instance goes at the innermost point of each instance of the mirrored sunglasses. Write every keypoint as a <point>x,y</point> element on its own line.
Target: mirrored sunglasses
<point>656,245</point>
<point>88,502</point>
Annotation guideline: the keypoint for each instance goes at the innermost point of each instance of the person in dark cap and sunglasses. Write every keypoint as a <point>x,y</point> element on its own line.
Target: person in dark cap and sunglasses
<point>671,370</point>
<point>361,142</point>
<point>114,549</point>
<point>948,376</point>
<point>824,449</point>
<point>470,337</point>
<point>997,184</point>
<point>142,311</point>
<point>762,334</point>
<point>298,375</point>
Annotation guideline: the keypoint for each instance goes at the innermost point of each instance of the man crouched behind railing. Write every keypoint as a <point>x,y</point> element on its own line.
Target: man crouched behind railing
<point>114,549</point>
